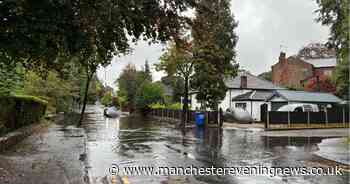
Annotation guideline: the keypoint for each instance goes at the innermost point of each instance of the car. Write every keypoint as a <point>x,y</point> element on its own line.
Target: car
<point>111,112</point>
<point>299,107</point>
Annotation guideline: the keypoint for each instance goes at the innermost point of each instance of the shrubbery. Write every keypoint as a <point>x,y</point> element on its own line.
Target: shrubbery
<point>157,106</point>
<point>174,106</point>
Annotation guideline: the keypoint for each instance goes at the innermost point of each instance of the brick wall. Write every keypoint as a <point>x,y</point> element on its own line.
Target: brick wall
<point>289,72</point>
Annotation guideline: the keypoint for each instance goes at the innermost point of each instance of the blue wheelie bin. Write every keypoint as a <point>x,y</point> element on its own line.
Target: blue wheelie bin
<point>200,119</point>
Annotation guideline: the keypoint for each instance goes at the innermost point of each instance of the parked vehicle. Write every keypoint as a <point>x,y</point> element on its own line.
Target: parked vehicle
<point>299,107</point>
<point>111,112</point>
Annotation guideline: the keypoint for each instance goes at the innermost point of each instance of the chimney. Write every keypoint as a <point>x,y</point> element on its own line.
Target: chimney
<point>282,57</point>
<point>244,81</point>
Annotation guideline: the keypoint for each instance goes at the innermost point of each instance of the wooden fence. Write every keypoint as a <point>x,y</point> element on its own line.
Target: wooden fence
<point>211,116</point>
<point>334,117</point>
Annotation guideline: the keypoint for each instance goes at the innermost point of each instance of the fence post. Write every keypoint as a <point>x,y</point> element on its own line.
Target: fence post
<point>326,111</point>
<point>268,119</point>
<point>343,116</point>
<point>288,119</point>
<point>308,118</point>
<point>180,115</point>
<point>208,115</point>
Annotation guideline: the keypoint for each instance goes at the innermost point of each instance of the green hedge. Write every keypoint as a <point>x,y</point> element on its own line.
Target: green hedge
<point>174,106</point>
<point>20,110</point>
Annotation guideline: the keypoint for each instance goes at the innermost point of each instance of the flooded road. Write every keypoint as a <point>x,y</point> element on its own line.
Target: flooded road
<point>137,141</point>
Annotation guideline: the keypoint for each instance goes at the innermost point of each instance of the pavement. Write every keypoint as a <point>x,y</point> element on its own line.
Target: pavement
<point>336,149</point>
<point>52,155</point>
<point>336,132</point>
<point>243,125</point>
<point>259,127</point>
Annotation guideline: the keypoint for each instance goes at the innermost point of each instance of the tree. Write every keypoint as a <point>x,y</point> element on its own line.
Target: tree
<point>323,84</point>
<point>127,85</point>
<point>105,24</point>
<point>62,90</point>
<point>147,71</point>
<point>149,93</point>
<point>178,61</point>
<point>107,98</point>
<point>177,85</point>
<point>129,82</point>
<point>214,41</point>
<point>143,75</point>
<point>336,15</point>
<point>11,78</point>
<point>36,32</point>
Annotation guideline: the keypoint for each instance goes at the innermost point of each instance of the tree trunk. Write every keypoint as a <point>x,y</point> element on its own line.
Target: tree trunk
<point>185,106</point>
<point>85,98</point>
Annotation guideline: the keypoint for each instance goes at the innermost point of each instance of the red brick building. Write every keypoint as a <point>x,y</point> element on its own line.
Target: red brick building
<point>310,70</point>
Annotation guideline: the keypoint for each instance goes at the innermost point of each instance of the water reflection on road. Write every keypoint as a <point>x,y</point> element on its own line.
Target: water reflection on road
<point>136,141</point>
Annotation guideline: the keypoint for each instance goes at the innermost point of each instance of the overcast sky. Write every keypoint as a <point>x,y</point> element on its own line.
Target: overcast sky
<point>264,25</point>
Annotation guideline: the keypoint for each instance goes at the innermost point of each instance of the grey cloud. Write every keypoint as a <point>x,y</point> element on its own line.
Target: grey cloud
<point>264,25</point>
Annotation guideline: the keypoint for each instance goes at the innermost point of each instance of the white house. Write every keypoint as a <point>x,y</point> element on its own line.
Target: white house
<point>245,91</point>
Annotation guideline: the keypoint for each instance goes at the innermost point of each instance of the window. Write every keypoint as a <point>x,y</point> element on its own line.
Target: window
<point>241,105</point>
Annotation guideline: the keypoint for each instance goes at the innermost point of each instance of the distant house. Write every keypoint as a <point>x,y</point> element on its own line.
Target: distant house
<point>249,92</point>
<point>246,91</point>
<point>314,63</point>
<point>284,97</point>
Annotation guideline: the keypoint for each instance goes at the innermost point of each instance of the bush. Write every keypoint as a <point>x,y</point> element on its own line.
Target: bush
<point>174,106</point>
<point>157,106</point>
<point>20,110</point>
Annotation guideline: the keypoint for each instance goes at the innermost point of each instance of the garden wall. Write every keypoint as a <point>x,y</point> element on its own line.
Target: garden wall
<point>19,111</point>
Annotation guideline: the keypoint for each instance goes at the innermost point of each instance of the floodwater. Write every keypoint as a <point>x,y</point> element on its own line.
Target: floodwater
<point>136,141</point>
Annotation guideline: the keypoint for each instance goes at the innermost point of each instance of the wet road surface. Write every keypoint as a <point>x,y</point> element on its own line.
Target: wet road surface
<point>64,153</point>
<point>136,141</point>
